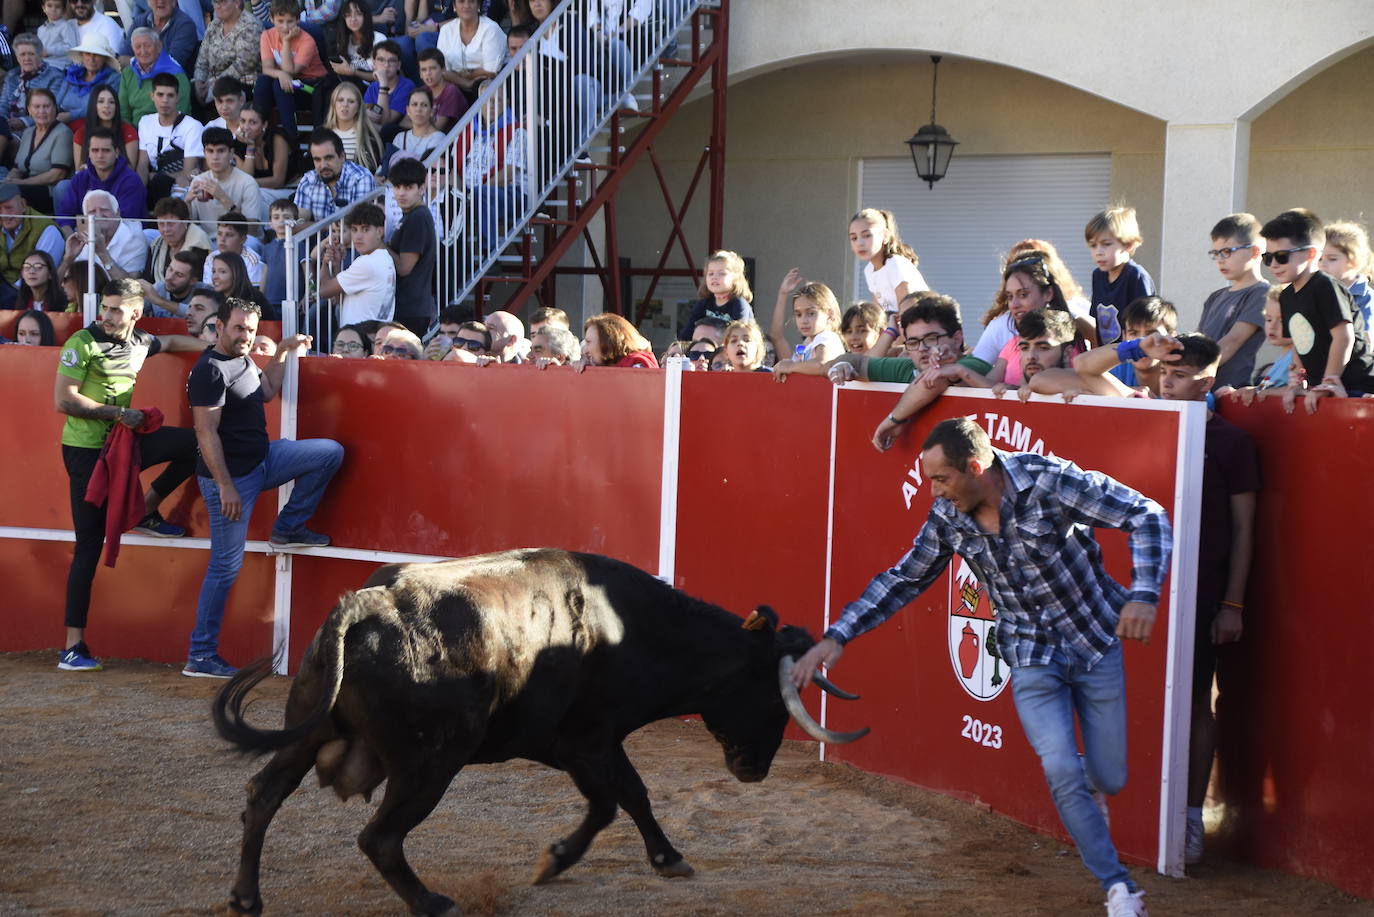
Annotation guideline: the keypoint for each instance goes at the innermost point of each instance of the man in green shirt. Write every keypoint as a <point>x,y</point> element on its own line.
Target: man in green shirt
<point>95,383</point>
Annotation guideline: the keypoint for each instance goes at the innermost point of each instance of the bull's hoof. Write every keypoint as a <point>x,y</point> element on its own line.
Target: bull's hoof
<point>679,870</point>
<point>439,906</point>
<point>550,864</point>
<point>240,905</point>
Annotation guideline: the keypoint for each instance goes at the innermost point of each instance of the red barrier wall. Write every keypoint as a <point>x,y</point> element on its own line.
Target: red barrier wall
<point>931,727</point>
<point>1296,713</point>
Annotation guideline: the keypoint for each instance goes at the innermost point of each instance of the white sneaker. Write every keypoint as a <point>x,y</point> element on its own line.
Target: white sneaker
<point>1100,800</point>
<point>1122,902</point>
<point>1193,842</point>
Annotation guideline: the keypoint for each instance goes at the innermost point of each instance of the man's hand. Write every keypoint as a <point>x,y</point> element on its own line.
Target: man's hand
<point>826,653</point>
<point>296,342</point>
<point>942,375</point>
<point>886,433</point>
<point>1160,346</point>
<point>133,418</point>
<point>840,373</point>
<point>230,503</point>
<point>1137,620</point>
<point>1227,625</point>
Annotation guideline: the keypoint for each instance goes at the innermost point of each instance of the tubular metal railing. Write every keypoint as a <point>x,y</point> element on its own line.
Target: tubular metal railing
<point>515,145</point>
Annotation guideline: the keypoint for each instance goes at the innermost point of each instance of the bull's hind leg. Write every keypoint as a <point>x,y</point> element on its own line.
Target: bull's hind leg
<point>266,791</point>
<point>410,797</point>
<point>634,799</point>
<point>592,777</point>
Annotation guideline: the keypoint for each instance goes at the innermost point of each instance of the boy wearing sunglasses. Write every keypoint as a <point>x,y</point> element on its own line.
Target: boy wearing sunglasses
<point>1328,335</point>
<point>1234,315</point>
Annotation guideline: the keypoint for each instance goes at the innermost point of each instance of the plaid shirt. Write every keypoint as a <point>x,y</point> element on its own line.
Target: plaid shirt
<point>314,195</point>
<point>1043,572</point>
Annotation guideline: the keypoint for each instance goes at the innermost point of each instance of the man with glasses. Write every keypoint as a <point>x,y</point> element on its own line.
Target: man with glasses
<point>334,183</point>
<point>932,336</point>
<point>1234,315</point>
<point>1328,334</point>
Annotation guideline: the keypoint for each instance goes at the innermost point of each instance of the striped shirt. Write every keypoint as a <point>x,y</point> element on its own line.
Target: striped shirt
<point>1043,571</point>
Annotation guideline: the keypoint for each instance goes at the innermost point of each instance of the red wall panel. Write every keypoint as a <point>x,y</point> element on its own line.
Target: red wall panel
<point>923,717</point>
<point>1296,714</point>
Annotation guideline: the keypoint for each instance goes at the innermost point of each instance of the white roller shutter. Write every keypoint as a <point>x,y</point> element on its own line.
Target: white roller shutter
<point>961,228</point>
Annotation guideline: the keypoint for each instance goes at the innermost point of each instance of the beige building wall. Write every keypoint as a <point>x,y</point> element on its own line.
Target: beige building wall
<point>797,133</point>
<point>796,137</point>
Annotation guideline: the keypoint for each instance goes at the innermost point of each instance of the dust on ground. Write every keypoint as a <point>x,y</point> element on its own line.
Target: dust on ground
<point>116,797</point>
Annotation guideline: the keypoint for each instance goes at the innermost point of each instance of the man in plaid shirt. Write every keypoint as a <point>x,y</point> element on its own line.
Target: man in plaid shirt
<point>1024,523</point>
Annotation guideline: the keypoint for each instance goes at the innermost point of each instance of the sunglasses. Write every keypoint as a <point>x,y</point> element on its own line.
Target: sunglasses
<point>467,343</point>
<point>701,354</point>
<point>398,350</point>
<point>1219,254</point>
<point>1281,257</point>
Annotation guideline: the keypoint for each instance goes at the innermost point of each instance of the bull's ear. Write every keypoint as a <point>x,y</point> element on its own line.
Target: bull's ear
<point>762,618</point>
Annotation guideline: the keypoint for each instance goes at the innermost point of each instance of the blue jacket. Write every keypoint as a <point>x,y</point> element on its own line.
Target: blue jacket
<point>75,94</point>
<point>48,77</point>
<point>178,38</point>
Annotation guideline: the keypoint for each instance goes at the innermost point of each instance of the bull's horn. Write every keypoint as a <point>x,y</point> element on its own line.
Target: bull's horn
<point>829,687</point>
<point>792,699</point>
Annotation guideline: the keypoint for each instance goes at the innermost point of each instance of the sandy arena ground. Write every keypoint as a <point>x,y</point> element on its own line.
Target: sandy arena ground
<point>116,798</point>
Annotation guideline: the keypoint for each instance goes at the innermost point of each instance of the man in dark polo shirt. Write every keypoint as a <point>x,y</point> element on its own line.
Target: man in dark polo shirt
<point>95,384</point>
<point>237,462</point>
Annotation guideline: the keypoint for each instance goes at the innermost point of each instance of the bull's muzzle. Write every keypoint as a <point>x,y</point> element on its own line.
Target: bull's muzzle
<point>797,709</point>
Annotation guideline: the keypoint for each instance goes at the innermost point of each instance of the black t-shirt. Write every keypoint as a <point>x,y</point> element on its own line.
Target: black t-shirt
<point>414,292</point>
<point>1230,466</point>
<point>1309,315</point>
<point>734,310</point>
<point>233,384</point>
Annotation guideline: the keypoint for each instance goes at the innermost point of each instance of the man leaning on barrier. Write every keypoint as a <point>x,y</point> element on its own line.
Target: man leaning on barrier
<point>237,463</point>
<point>95,382</point>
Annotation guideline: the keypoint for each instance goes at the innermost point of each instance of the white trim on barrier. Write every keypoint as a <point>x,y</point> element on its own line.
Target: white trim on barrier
<point>829,539</point>
<point>1178,686</point>
<point>21,533</point>
<point>672,444</point>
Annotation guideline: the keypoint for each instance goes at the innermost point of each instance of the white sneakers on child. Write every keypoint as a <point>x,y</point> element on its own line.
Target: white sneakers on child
<point>1122,902</point>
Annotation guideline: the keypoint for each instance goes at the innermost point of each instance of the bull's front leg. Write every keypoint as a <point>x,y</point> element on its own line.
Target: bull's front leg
<point>594,777</point>
<point>266,791</point>
<point>634,799</point>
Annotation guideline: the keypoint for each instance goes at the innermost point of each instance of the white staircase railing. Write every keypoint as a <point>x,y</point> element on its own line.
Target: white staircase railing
<point>515,145</point>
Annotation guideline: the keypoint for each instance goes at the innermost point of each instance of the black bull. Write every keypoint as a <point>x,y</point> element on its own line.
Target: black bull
<point>539,654</point>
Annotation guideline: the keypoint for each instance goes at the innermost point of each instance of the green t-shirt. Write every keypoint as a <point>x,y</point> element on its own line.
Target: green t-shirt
<point>106,369</point>
<point>902,370</point>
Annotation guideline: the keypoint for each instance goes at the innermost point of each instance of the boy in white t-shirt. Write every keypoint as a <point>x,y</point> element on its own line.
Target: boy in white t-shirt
<point>368,285</point>
<point>169,148</point>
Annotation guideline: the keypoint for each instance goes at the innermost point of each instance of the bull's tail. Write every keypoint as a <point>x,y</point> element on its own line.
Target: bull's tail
<point>328,658</point>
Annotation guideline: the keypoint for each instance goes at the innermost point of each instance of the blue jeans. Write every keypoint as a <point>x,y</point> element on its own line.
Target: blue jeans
<point>1047,697</point>
<point>310,463</point>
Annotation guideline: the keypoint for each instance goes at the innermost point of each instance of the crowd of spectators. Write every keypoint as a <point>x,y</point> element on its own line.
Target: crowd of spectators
<point>152,135</point>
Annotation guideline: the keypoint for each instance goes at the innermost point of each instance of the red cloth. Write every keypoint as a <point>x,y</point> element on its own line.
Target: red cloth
<point>115,479</point>
<point>640,359</point>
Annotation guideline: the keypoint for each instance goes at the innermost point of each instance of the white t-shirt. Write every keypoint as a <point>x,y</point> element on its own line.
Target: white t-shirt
<point>105,27</point>
<point>251,262</point>
<point>129,247</point>
<point>369,286</point>
<point>825,337</point>
<point>883,284</point>
<point>154,136</point>
<point>484,52</point>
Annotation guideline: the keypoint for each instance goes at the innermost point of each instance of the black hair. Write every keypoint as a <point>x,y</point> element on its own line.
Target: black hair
<point>161,80</point>
<point>1197,351</point>
<point>1040,322</point>
<point>366,215</point>
<point>46,336</point>
<point>961,440</point>
<point>321,135</point>
<point>407,172</point>
<point>939,309</point>
<point>1299,225</point>
<point>246,306</point>
<point>1243,227</point>
<point>227,86</point>
<point>217,136</point>
<point>1149,311</point>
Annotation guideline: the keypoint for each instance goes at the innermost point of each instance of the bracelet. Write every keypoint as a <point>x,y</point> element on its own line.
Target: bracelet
<point>1236,605</point>
<point>1129,351</point>
<point>120,415</point>
<point>891,331</point>
<point>900,422</point>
